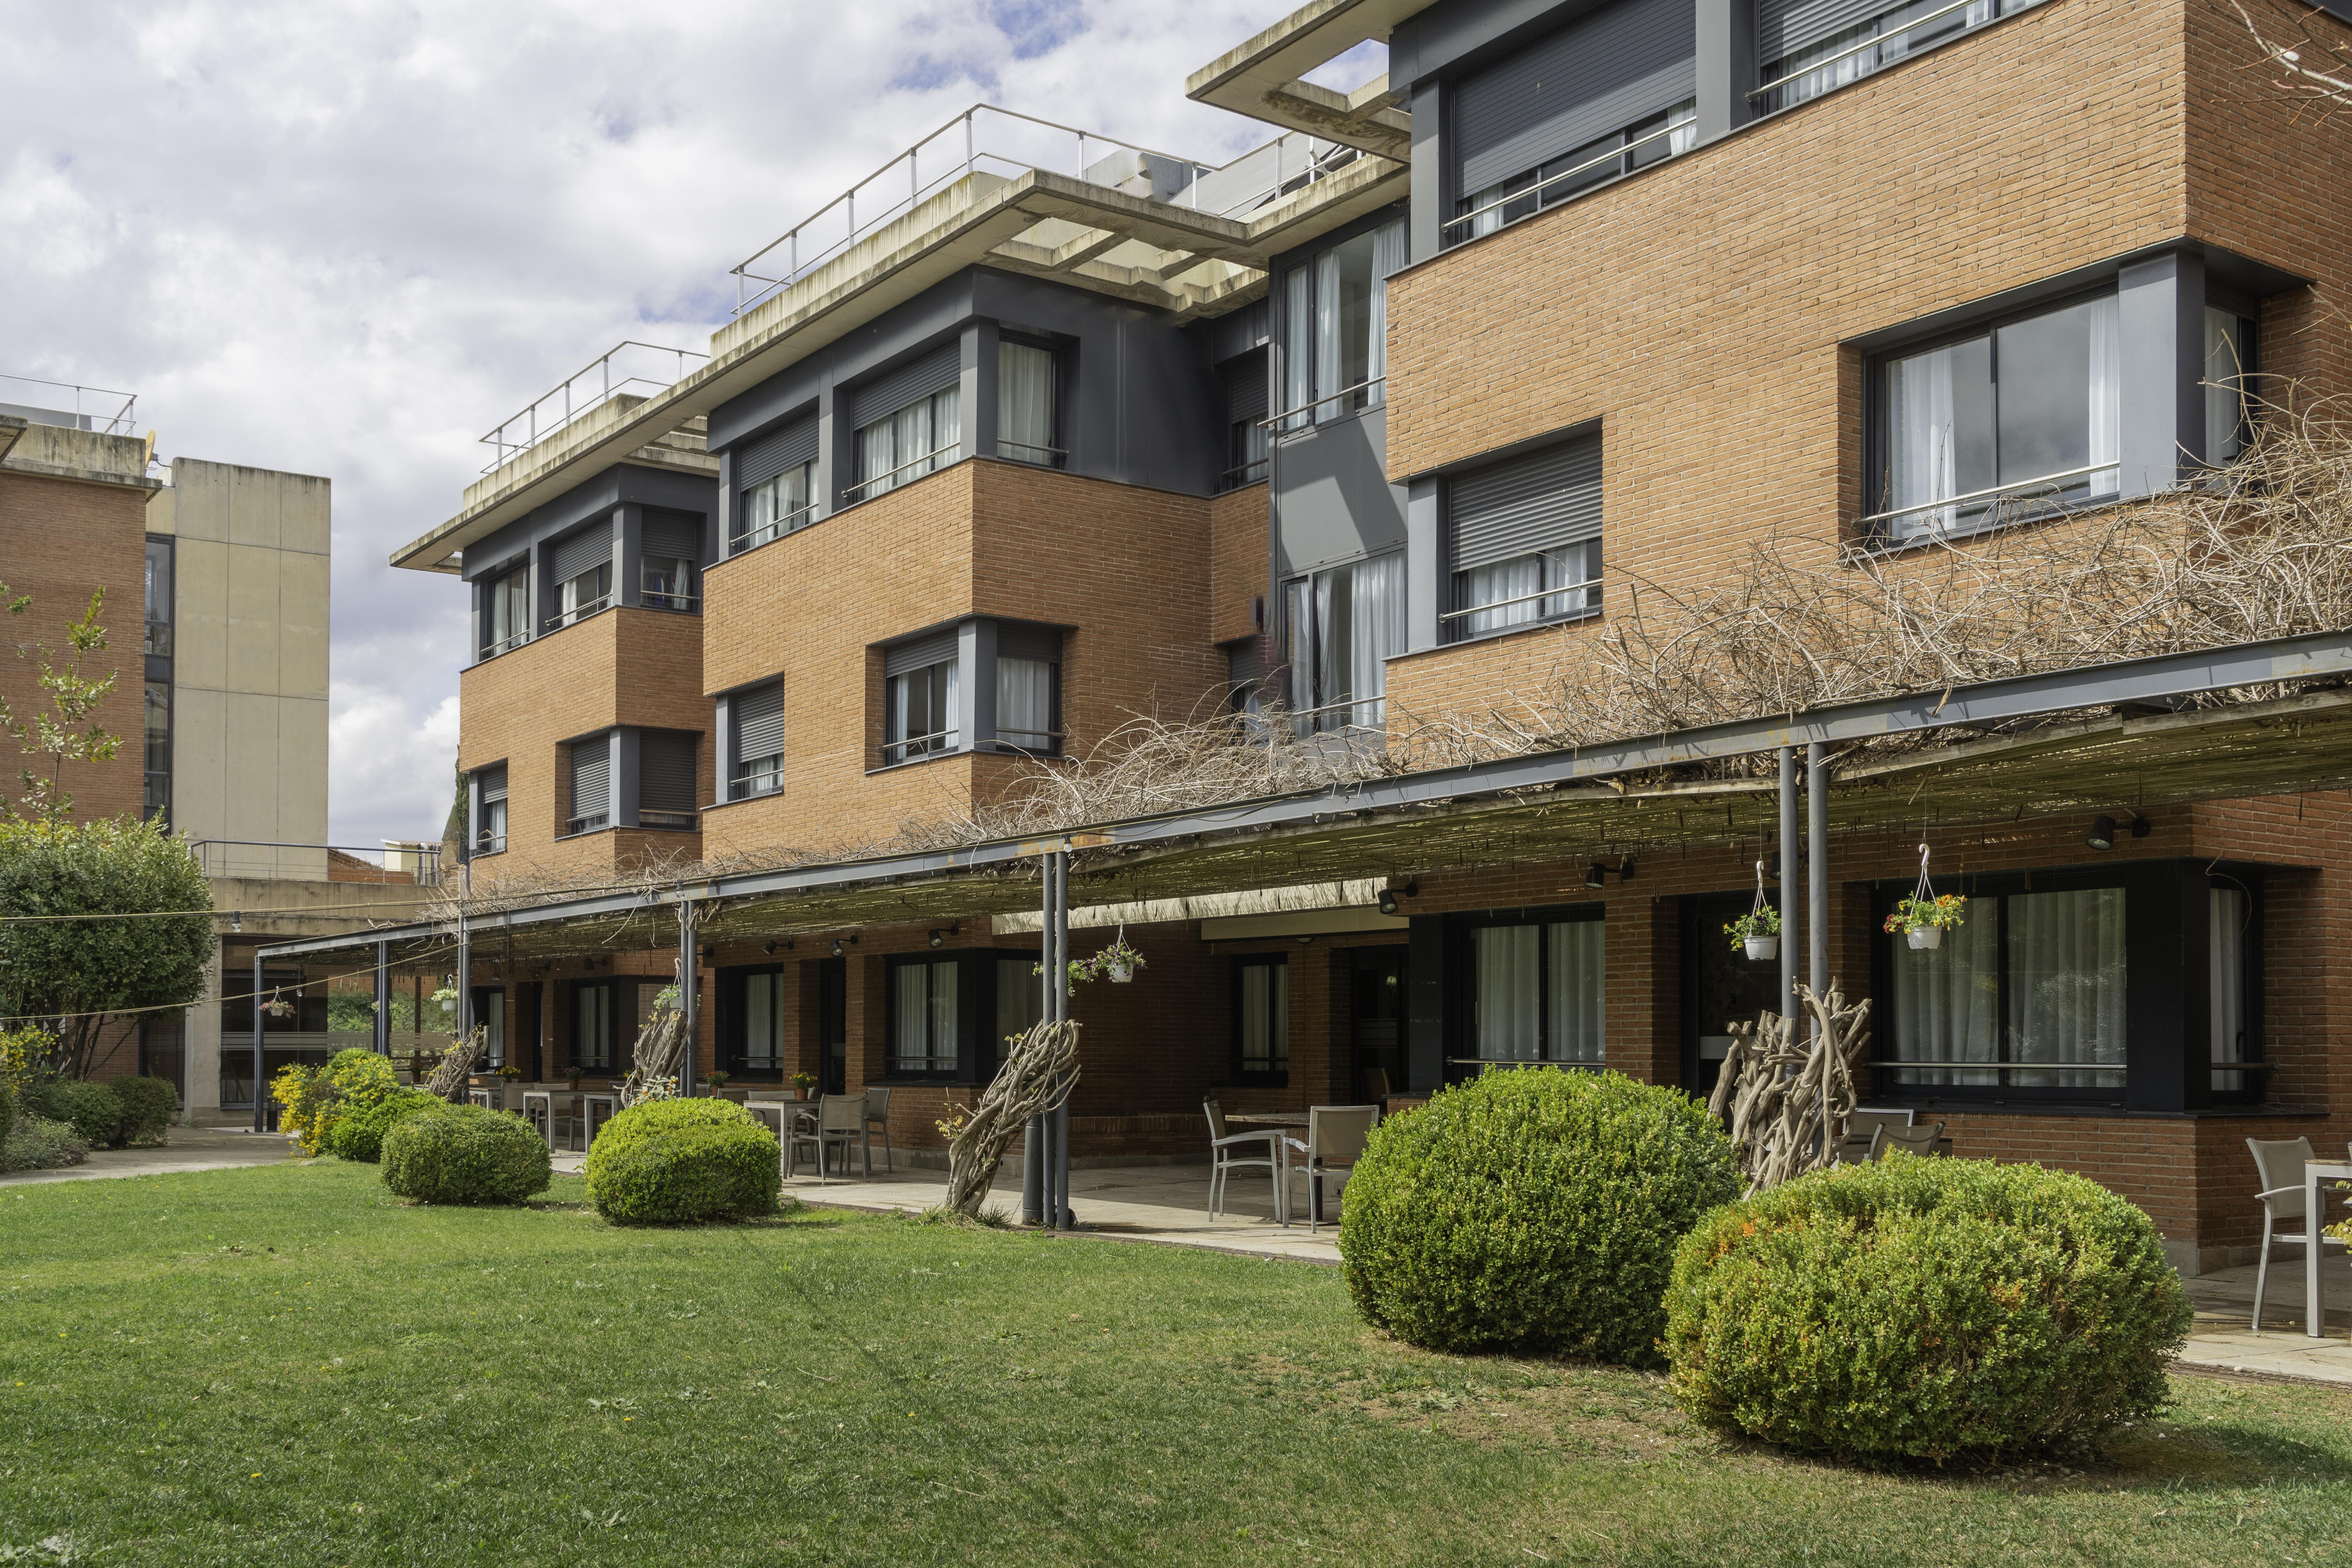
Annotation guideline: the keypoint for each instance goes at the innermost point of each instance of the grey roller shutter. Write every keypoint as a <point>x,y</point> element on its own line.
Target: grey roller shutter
<point>591,776</point>
<point>1541,501</point>
<point>788,446</point>
<point>581,551</point>
<point>1785,26</point>
<point>759,721</point>
<point>493,783</point>
<point>1014,640</point>
<point>665,770</point>
<point>673,536</point>
<point>1614,68</point>
<point>894,389</point>
<point>1245,390</point>
<point>1244,662</point>
<point>918,653</point>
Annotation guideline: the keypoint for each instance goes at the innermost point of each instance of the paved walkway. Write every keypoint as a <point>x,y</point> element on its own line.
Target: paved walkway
<point>190,1149</point>
<point>2223,1339</point>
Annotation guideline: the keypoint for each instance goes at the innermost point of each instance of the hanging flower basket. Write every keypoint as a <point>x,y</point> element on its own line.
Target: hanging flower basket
<point>1761,949</point>
<point>1922,938</point>
<point>1758,931</point>
<point>1118,963</point>
<point>1924,916</point>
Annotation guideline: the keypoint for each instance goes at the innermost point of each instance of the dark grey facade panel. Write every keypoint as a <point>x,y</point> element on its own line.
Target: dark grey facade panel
<point>672,534</point>
<point>760,720</point>
<point>581,551</point>
<point>919,653</point>
<point>787,446</point>
<point>592,503</point>
<point>591,776</point>
<point>493,783</point>
<point>1239,333</point>
<point>1784,26</point>
<point>934,370</point>
<point>1244,662</point>
<point>1330,494</point>
<point>666,770</point>
<point>1015,640</point>
<point>1455,35</point>
<point>1247,390</point>
<point>1537,501</point>
<point>1600,74</point>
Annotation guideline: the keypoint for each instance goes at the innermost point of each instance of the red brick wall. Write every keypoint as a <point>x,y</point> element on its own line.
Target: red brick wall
<point>1239,561</point>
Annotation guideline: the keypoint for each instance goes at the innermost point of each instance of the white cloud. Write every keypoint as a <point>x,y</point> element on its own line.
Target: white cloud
<point>346,239</point>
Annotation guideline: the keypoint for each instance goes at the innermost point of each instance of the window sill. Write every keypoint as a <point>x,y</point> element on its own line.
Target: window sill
<point>919,761</point>
<point>1886,547</point>
<point>1548,623</point>
<point>776,794</point>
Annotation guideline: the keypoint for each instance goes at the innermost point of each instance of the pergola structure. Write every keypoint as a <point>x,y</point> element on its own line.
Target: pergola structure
<point>2147,732</point>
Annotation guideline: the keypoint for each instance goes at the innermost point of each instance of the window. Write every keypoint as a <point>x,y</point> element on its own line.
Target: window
<point>920,687</point>
<point>592,784</point>
<point>776,474</point>
<point>665,792</point>
<point>491,830</point>
<point>1020,1000</point>
<point>1810,48</point>
<point>2234,924</point>
<point>1523,540</point>
<point>921,438</point>
<point>158,597</point>
<point>157,751</point>
<point>506,611</point>
<point>1612,91</point>
<point>1538,992</point>
<point>490,1017</point>
<point>1334,331</point>
<point>1344,624</point>
<point>1024,403</point>
<point>669,547</point>
<point>1246,411</point>
<point>923,1015</point>
<point>1029,689</point>
<point>1260,1020</point>
<point>2030,977</point>
<point>2229,360</point>
<point>757,716</point>
<point>758,1000</point>
<point>2027,411</point>
<point>592,1019</point>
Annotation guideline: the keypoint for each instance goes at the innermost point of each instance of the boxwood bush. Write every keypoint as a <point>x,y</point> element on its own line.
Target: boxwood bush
<point>89,1109</point>
<point>147,1106</point>
<point>465,1155</point>
<point>681,1162</point>
<point>358,1134</point>
<point>1924,1310</point>
<point>1532,1210</point>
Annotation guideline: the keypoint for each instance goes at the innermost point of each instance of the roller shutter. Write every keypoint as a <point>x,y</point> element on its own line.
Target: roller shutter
<point>673,536</point>
<point>918,653</point>
<point>493,783</point>
<point>1785,26</point>
<point>759,721</point>
<point>788,446</point>
<point>665,770</point>
<point>1541,501</point>
<point>581,551</point>
<point>1245,389</point>
<point>591,776</point>
<point>1612,69</point>
<point>1014,640</point>
<point>935,371</point>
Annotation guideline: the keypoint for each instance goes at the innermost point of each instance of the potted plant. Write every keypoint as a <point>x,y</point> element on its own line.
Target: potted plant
<point>1758,932</point>
<point>1923,920</point>
<point>803,1082</point>
<point>714,1081</point>
<point>573,1075</point>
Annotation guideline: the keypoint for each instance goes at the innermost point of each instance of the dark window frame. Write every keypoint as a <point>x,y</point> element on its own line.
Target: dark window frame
<point>621,1048</point>
<point>484,843</point>
<point>733,1021</point>
<point>976,1058</point>
<point>1243,1074</point>
<point>1461,983</point>
<point>1058,456</point>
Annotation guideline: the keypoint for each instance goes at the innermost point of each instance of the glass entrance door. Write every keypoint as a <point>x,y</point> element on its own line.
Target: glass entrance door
<point>1376,1033</point>
<point>1721,984</point>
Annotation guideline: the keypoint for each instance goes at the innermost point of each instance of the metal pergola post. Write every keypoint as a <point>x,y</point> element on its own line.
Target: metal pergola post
<point>383,998</point>
<point>1033,1140</point>
<point>1059,975</point>
<point>261,1093</point>
<point>1817,869</point>
<point>464,1001</point>
<point>1790,922</point>
<point>687,987</point>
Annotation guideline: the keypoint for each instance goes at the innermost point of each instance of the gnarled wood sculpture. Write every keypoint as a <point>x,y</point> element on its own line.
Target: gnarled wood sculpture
<point>1785,1100</point>
<point>660,1046</point>
<point>1034,1080</point>
<point>448,1079</point>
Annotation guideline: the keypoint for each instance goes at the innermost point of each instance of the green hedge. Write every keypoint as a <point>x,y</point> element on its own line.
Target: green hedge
<point>1533,1210</point>
<point>465,1155</point>
<point>89,1109</point>
<point>680,1162</point>
<point>7,1109</point>
<point>147,1106</point>
<point>358,1134</point>
<point>1924,1309</point>
<point>38,1144</point>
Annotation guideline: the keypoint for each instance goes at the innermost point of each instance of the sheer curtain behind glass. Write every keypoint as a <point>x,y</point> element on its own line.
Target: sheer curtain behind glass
<point>1578,1000</point>
<point>2229,911</point>
<point>1024,402</point>
<point>1947,998</point>
<point>1921,457</point>
<point>1388,257</point>
<point>1025,703</point>
<point>763,1023</point>
<point>1376,627</point>
<point>1265,1036</point>
<point>2066,985</point>
<point>1298,346</point>
<point>2225,396</point>
<point>911,1018</point>
<point>1509,993</point>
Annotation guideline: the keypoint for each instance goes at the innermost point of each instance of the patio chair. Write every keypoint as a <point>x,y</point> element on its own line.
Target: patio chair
<point>1225,1156</point>
<point>1336,1135</point>
<point>1376,1086</point>
<point>2278,1164</point>
<point>1888,1137</point>
<point>840,1122</point>
<point>877,1114</point>
<point>1862,1123</point>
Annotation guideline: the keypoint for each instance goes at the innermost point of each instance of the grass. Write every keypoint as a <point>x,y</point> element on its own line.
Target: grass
<point>285,1366</point>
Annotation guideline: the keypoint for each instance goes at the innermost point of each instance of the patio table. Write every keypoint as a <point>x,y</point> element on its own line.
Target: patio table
<point>2315,1220</point>
<point>597,1110</point>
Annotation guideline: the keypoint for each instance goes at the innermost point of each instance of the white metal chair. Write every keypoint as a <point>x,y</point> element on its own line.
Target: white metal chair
<point>1336,1135</point>
<point>2278,1163</point>
<point>877,1115</point>
<point>839,1122</point>
<point>1225,1159</point>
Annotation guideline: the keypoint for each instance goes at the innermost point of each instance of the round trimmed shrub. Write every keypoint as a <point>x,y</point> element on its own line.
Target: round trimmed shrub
<point>1924,1309</point>
<point>1534,1210</point>
<point>358,1134</point>
<point>465,1155</point>
<point>147,1106</point>
<point>681,1162</point>
<point>89,1109</point>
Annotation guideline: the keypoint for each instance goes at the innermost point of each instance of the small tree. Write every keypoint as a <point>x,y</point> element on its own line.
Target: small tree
<point>81,973</point>
<point>68,733</point>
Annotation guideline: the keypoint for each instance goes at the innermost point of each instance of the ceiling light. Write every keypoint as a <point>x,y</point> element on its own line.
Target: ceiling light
<point>938,939</point>
<point>837,947</point>
<point>769,947</point>
<point>2102,833</point>
<point>1387,900</point>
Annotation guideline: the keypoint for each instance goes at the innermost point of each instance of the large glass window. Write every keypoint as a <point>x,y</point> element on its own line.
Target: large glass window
<point>158,751</point>
<point>490,1017</point>
<point>1262,1019</point>
<point>2026,412</point>
<point>667,582</point>
<point>1335,348</point>
<point>761,1048</point>
<point>1024,403</point>
<point>506,611</point>
<point>779,506</point>
<point>1020,1000</point>
<point>158,597</point>
<point>1636,146</point>
<point>923,1015</point>
<point>593,1022</point>
<point>921,438</point>
<point>2229,361</point>
<point>2030,978</point>
<point>1523,539</point>
<point>491,830</point>
<point>584,595</point>
<point>1344,625</point>
<point>1820,65</point>
<point>1540,992</point>
<point>1026,703</point>
<point>921,718</point>
<point>757,715</point>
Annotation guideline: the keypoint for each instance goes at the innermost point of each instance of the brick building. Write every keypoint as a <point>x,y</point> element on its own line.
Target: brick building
<point>1384,420</point>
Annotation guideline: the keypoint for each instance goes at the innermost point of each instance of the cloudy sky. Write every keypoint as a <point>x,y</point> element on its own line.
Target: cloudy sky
<point>347,239</point>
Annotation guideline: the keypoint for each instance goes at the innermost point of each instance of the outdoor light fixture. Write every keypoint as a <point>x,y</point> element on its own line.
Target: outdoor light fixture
<point>837,947</point>
<point>938,939</point>
<point>1387,900</point>
<point>2102,833</point>
<point>1596,874</point>
<point>769,947</point>
<point>1625,871</point>
<point>2141,826</point>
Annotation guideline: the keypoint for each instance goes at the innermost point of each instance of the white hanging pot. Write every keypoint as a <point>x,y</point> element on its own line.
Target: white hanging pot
<point>1924,937</point>
<point>1121,973</point>
<point>1761,949</point>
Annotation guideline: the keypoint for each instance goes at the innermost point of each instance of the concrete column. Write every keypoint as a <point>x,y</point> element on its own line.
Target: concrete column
<point>203,1034</point>
<point>1425,226</point>
<point>722,747</point>
<point>623,809</point>
<point>2160,314</point>
<point>628,553</point>
<point>1727,66</point>
<point>976,686</point>
<point>260,1090</point>
<point>977,399</point>
<point>1425,578</point>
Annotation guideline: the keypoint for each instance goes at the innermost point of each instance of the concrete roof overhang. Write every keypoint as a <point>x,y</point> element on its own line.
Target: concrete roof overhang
<point>2043,754</point>
<point>1263,78</point>
<point>979,220</point>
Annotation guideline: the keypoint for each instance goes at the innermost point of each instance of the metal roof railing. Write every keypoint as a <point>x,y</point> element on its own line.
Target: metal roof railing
<point>98,408</point>
<point>594,384</point>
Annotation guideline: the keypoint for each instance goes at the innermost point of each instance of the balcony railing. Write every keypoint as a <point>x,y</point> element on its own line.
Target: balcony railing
<point>413,865</point>
<point>1272,420</point>
<point>506,643</point>
<point>774,528</point>
<point>929,462</point>
<point>1833,71</point>
<point>579,612</point>
<point>938,742</point>
<point>94,408</point>
<point>628,368</point>
<point>1530,198</point>
<point>1980,502</point>
<point>653,599</point>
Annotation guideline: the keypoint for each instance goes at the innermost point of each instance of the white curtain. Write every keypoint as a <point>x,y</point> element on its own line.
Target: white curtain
<point>943,1016</point>
<point>762,1043</point>
<point>1946,1000</point>
<point>1376,624</point>
<point>2225,365</point>
<point>1025,702</point>
<point>1512,579</point>
<point>875,457</point>
<point>1024,402</point>
<point>2067,984</point>
<point>1330,635</point>
<point>2227,979</point>
<point>1330,335</point>
<point>1299,627</point>
<point>1509,994</point>
<point>1265,1025</point>
<point>1298,344</point>
<point>1578,959</point>
<point>1835,74</point>
<point>2106,397</point>
<point>949,677</point>
<point>909,1048</point>
<point>1919,429</point>
<point>1388,257</point>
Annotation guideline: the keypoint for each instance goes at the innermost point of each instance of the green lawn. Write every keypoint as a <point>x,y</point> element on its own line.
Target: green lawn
<point>285,1366</point>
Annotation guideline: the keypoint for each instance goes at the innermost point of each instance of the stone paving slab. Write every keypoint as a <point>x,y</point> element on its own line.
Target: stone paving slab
<point>189,1149</point>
